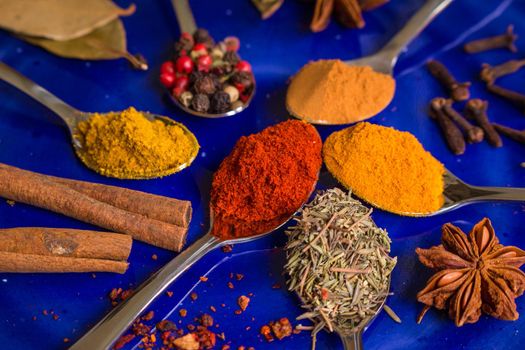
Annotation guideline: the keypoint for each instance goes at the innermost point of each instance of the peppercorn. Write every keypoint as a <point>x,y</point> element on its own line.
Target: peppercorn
<point>194,76</point>
<point>200,103</point>
<point>231,57</point>
<point>243,79</point>
<point>201,35</point>
<point>185,43</point>
<point>185,98</point>
<point>220,102</point>
<point>232,91</point>
<point>204,85</point>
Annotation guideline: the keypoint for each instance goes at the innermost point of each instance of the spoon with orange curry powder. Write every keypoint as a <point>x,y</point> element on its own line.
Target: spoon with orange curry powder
<point>334,92</point>
<point>267,177</point>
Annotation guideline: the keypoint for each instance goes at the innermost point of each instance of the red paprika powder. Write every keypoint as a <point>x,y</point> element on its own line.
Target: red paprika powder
<point>265,179</point>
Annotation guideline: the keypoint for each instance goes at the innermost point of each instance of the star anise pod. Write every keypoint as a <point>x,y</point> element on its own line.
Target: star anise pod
<point>475,274</point>
<point>347,12</point>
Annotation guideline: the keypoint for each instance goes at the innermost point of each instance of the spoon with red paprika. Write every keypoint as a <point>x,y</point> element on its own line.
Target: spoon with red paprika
<point>267,177</point>
<point>221,89</point>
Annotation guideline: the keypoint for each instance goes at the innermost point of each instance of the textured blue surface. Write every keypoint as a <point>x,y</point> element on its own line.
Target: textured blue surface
<point>31,137</point>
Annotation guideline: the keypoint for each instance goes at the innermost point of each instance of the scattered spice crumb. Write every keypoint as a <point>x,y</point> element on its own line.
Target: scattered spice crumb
<point>221,336</point>
<point>154,257</point>
<point>191,327</point>
<point>281,328</point>
<point>248,328</point>
<point>45,312</point>
<point>231,275</point>
<point>203,279</point>
<point>238,312</point>
<point>93,275</point>
<point>34,318</point>
<point>276,286</point>
<point>223,305</point>
<point>250,294</point>
<point>55,317</point>
<point>123,340</point>
<point>212,308</point>
<point>194,296</point>
<point>239,276</point>
<point>149,316</point>
<point>66,340</point>
<point>10,203</point>
<point>266,332</point>
<point>230,285</point>
<point>183,312</point>
<point>166,325</point>
<point>243,302</point>
<point>169,294</point>
<point>227,248</point>
<point>522,164</point>
<point>225,347</point>
<point>206,320</point>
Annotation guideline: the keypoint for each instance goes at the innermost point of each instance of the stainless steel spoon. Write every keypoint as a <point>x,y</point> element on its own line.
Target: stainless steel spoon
<point>385,59</point>
<point>457,193</point>
<point>187,25</point>
<point>72,117</point>
<point>109,329</point>
<point>354,340</point>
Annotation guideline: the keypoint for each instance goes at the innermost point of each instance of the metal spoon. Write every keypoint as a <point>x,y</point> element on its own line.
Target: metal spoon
<point>458,193</point>
<point>72,117</point>
<point>385,59</point>
<point>105,332</point>
<point>187,25</point>
<point>353,340</point>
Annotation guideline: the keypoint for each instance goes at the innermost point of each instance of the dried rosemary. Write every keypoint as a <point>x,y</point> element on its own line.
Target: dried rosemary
<point>338,262</point>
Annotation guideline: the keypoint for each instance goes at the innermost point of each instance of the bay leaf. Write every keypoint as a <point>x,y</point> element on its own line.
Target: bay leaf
<point>58,19</point>
<point>106,42</point>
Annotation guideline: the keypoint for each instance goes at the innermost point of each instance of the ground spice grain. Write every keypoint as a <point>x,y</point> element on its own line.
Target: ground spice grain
<point>265,179</point>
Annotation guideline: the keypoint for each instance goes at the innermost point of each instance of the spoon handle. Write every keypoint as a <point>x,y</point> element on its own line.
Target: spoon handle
<point>480,194</point>
<point>412,28</point>
<point>16,79</point>
<point>353,341</point>
<point>104,333</point>
<point>184,16</point>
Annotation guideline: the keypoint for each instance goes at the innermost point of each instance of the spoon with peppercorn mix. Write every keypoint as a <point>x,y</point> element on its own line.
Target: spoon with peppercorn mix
<point>355,78</point>
<point>72,117</point>
<point>206,79</point>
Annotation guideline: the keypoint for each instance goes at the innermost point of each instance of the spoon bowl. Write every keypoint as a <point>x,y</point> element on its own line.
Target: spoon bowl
<point>457,193</point>
<point>187,24</point>
<point>72,117</point>
<point>385,59</point>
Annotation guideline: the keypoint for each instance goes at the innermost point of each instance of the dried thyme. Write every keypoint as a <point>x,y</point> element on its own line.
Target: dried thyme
<point>338,262</point>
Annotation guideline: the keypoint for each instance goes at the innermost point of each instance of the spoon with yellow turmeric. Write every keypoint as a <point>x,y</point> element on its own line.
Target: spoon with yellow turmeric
<point>127,145</point>
<point>334,92</point>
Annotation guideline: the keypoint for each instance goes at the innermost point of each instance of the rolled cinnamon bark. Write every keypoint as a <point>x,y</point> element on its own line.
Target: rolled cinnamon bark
<point>38,190</point>
<point>170,210</point>
<point>37,249</point>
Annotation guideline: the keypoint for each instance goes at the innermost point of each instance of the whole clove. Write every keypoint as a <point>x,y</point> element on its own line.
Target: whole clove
<point>477,109</point>
<point>515,97</point>
<point>505,40</point>
<point>489,73</point>
<point>473,133</point>
<point>458,91</point>
<point>452,133</point>
<point>511,133</point>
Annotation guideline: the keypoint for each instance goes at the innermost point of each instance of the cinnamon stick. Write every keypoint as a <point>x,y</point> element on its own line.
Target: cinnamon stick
<point>36,249</point>
<point>170,210</point>
<point>38,190</point>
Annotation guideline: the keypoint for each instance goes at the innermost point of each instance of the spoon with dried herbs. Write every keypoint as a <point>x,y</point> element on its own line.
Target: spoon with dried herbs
<point>339,265</point>
<point>155,146</point>
<point>204,78</point>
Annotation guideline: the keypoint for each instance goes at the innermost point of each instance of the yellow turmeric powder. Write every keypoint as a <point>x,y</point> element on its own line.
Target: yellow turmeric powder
<point>128,145</point>
<point>386,167</point>
<point>331,92</point>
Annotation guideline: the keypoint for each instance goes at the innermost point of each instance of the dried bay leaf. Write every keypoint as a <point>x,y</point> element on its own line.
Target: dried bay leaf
<point>58,19</point>
<point>106,42</point>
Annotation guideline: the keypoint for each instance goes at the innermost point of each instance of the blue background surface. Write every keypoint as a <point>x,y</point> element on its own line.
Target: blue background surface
<point>33,138</point>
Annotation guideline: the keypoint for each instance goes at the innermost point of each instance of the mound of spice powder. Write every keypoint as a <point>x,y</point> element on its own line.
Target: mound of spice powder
<point>265,179</point>
<point>386,167</point>
<point>332,92</point>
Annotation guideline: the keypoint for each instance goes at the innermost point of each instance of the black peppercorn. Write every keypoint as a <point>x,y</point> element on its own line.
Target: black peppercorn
<point>194,76</point>
<point>242,78</point>
<point>200,103</point>
<point>231,57</point>
<point>220,102</point>
<point>184,43</point>
<point>202,36</point>
<point>205,85</point>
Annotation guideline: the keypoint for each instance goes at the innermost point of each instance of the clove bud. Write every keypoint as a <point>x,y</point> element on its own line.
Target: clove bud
<point>516,135</point>
<point>489,73</point>
<point>474,133</point>
<point>477,109</point>
<point>452,133</point>
<point>515,97</point>
<point>458,91</point>
<point>505,40</point>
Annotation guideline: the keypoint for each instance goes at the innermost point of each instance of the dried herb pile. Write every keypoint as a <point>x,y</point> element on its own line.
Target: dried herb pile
<point>338,262</point>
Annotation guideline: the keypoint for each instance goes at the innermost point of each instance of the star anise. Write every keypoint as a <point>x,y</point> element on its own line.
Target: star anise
<point>347,12</point>
<point>476,273</point>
